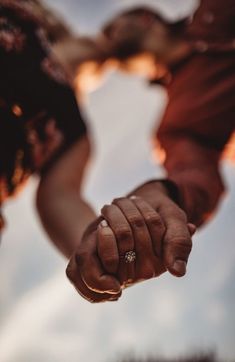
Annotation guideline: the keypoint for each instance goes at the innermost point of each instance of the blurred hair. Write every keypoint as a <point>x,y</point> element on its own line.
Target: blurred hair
<point>70,50</point>
<point>127,32</point>
<point>53,24</point>
<point>38,13</point>
<point>74,51</point>
<point>13,140</point>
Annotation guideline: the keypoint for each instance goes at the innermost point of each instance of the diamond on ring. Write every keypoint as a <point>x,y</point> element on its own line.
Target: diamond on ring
<point>130,256</point>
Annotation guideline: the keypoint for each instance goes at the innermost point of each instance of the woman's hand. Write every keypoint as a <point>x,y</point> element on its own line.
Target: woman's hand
<point>119,251</point>
<point>133,243</point>
<point>86,271</point>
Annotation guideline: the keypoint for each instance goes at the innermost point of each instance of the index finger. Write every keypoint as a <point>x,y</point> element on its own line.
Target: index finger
<point>124,237</point>
<point>107,248</point>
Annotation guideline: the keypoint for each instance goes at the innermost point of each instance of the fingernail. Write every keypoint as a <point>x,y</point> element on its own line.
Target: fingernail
<point>104,223</point>
<point>180,267</point>
<point>133,197</point>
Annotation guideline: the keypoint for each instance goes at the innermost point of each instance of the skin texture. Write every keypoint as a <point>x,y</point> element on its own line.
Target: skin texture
<point>63,212</point>
<point>150,224</point>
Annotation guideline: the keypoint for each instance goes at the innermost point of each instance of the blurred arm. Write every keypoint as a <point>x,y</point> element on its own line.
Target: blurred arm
<point>194,168</point>
<point>64,214</point>
<point>197,124</point>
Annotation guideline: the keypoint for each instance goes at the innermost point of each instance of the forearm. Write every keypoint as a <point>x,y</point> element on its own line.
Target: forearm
<point>196,189</point>
<point>193,180</point>
<point>194,169</point>
<point>64,213</point>
<point>64,216</point>
<point>197,196</point>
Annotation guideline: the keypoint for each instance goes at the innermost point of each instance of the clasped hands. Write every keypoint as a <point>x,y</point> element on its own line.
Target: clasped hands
<point>132,241</point>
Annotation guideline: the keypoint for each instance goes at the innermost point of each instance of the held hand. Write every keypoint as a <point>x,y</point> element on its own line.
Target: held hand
<point>149,242</point>
<point>129,248</point>
<point>86,272</point>
<point>137,230</point>
<point>133,243</point>
<point>177,242</point>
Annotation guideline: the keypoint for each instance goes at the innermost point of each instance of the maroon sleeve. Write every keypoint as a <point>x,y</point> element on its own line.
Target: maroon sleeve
<point>196,126</point>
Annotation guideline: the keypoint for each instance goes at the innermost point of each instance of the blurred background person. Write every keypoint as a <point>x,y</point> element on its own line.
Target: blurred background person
<point>194,60</point>
<point>42,129</point>
<point>41,125</point>
<point>192,133</point>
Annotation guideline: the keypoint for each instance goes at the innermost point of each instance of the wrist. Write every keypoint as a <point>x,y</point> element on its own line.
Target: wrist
<point>154,190</point>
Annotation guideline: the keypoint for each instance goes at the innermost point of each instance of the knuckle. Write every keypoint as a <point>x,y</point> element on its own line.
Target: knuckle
<point>154,220</point>
<point>136,221</point>
<point>117,200</point>
<point>104,209</point>
<point>123,233</point>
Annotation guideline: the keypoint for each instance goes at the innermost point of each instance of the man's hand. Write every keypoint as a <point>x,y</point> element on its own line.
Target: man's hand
<point>176,242</point>
<point>138,231</point>
<point>140,238</point>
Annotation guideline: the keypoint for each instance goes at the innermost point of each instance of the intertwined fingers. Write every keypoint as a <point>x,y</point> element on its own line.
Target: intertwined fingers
<point>124,238</point>
<point>138,231</point>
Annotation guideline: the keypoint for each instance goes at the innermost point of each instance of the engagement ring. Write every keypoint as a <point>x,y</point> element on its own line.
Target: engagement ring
<point>130,256</point>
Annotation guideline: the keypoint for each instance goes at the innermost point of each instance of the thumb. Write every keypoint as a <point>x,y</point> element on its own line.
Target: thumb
<point>177,243</point>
